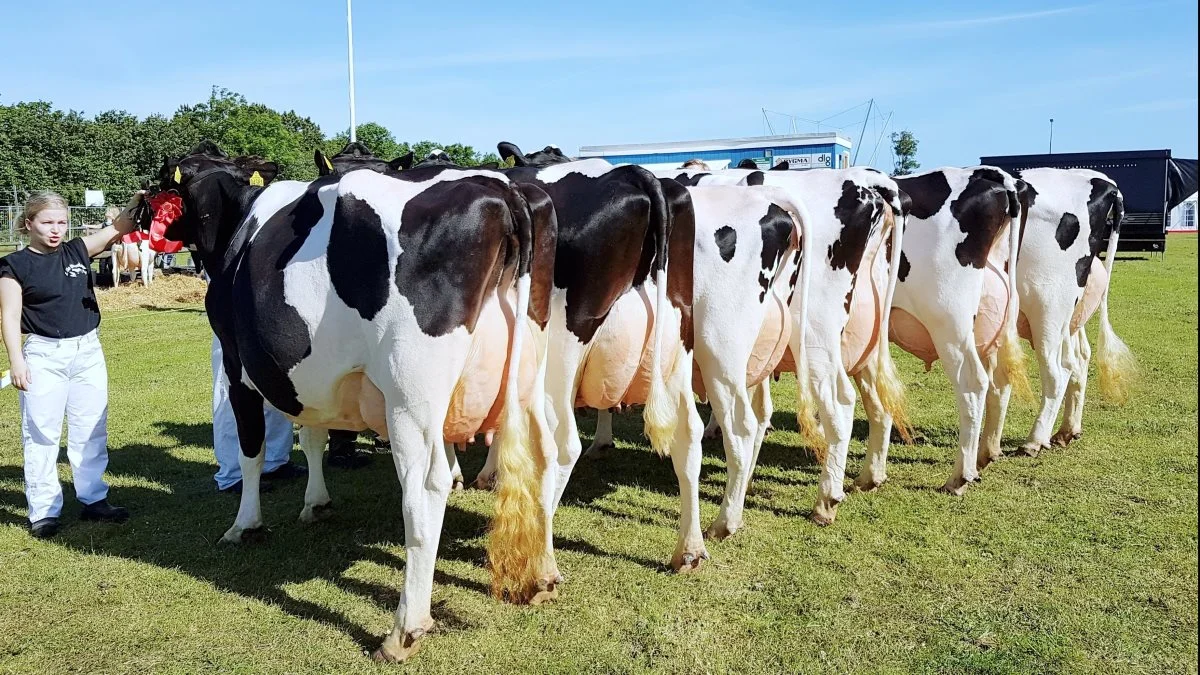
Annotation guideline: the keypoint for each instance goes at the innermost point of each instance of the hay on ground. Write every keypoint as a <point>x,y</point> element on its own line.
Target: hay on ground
<point>167,291</point>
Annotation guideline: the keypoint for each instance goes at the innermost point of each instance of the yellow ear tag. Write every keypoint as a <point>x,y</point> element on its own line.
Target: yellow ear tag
<point>256,179</point>
<point>178,175</point>
<point>328,164</point>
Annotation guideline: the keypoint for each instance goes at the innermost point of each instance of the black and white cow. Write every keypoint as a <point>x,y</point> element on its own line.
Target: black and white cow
<point>355,301</point>
<point>355,156</point>
<point>852,214</point>
<point>621,319</point>
<point>745,274</point>
<point>1061,283</point>
<point>955,301</point>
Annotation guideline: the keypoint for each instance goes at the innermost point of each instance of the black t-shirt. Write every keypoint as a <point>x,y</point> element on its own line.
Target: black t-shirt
<point>58,298</point>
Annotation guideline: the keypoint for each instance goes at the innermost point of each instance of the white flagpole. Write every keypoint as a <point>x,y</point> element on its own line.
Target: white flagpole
<point>350,60</point>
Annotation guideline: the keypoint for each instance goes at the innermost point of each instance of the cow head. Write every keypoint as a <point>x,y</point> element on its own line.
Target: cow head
<point>548,156</point>
<point>216,191</point>
<point>747,164</point>
<point>437,157</point>
<point>696,164</point>
<point>357,156</point>
<point>781,166</point>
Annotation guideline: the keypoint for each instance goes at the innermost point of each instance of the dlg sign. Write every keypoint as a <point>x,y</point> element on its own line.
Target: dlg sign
<point>813,161</point>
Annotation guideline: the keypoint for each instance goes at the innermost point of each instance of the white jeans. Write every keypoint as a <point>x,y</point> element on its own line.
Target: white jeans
<point>68,376</point>
<point>225,436</point>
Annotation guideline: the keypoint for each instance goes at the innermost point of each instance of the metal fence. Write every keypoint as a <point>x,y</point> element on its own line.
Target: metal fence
<point>82,219</point>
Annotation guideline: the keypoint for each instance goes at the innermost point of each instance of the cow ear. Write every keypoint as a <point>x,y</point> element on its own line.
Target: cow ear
<point>510,150</point>
<point>258,171</point>
<point>403,162</point>
<point>781,166</point>
<point>324,166</point>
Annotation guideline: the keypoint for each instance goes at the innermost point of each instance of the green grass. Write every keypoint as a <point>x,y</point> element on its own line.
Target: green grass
<point>1082,560</point>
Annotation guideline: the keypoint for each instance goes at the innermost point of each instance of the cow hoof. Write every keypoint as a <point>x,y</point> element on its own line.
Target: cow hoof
<point>458,484</point>
<point>957,486</point>
<point>715,432</point>
<point>719,531</point>
<point>688,561</point>
<point>600,451</point>
<point>1030,449</point>
<point>986,460</point>
<point>485,481</point>
<point>547,591</point>
<point>395,650</point>
<point>315,513</point>
<point>1063,438</point>
<point>238,535</point>
<point>865,483</point>
<point>825,511</point>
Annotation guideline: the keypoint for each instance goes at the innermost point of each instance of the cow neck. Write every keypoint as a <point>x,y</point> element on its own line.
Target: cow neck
<point>227,225</point>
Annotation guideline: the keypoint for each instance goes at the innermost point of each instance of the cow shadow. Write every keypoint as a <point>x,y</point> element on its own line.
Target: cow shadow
<point>178,518</point>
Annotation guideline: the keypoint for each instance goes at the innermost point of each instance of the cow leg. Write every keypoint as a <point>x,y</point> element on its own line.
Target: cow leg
<point>998,395</point>
<point>247,407</point>
<point>686,457</point>
<point>835,401</point>
<point>604,434</point>
<point>316,496</point>
<point>732,409</point>
<point>969,381</point>
<point>115,256</point>
<point>419,454</point>
<point>146,260</point>
<point>874,468</point>
<point>713,428</point>
<point>452,450</point>
<point>1053,359</point>
<point>486,480</point>
<point>763,407</point>
<point>1072,421</point>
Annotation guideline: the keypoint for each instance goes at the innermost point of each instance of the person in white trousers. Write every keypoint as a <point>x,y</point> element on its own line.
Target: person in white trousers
<point>47,292</point>
<point>226,446</point>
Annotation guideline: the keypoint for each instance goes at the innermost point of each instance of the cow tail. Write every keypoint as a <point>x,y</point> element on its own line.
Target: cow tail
<point>1011,358</point>
<point>888,385</point>
<point>661,416</point>
<point>806,418</point>
<point>517,545</point>
<point>1117,367</point>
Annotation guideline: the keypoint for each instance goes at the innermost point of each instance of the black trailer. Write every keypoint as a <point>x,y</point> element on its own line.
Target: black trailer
<point>1151,181</point>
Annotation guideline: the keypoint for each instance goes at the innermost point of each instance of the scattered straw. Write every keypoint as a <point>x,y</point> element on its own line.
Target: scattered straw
<point>165,292</point>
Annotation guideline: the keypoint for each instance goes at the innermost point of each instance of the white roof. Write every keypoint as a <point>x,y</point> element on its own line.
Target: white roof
<point>742,143</point>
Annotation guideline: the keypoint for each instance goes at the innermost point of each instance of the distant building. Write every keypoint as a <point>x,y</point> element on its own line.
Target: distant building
<point>800,151</point>
<point>1183,217</point>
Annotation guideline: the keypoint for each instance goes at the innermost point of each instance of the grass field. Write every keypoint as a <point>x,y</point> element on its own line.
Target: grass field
<point>1082,560</point>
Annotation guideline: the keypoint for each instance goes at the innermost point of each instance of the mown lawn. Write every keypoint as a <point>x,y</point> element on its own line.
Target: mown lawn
<point>1081,560</point>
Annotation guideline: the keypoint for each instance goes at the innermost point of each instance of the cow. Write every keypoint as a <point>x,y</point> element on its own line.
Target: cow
<point>621,325</point>
<point>1061,283</point>
<point>132,254</point>
<point>356,301</point>
<point>355,156</point>
<point>745,274</point>
<point>857,227</point>
<point>956,301</point>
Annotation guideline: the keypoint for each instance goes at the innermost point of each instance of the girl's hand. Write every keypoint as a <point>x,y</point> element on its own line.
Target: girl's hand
<point>21,378</point>
<point>124,222</point>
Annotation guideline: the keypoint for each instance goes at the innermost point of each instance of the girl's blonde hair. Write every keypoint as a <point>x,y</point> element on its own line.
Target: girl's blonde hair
<point>36,203</point>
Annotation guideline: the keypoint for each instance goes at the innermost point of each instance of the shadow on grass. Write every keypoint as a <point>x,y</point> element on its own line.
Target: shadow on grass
<point>177,524</point>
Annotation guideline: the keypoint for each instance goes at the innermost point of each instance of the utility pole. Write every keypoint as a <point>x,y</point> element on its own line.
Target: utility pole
<point>1051,135</point>
<point>350,61</point>
<point>866,119</point>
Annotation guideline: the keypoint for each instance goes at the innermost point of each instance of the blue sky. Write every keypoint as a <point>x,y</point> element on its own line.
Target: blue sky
<point>969,79</point>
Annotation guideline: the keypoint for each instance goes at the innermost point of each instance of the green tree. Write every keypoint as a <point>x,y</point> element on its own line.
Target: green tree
<point>904,146</point>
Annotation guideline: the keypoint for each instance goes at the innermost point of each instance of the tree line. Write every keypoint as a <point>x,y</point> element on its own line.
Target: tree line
<point>42,147</point>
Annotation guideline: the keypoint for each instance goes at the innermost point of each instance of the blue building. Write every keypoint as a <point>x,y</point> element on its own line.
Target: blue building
<point>801,151</point>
